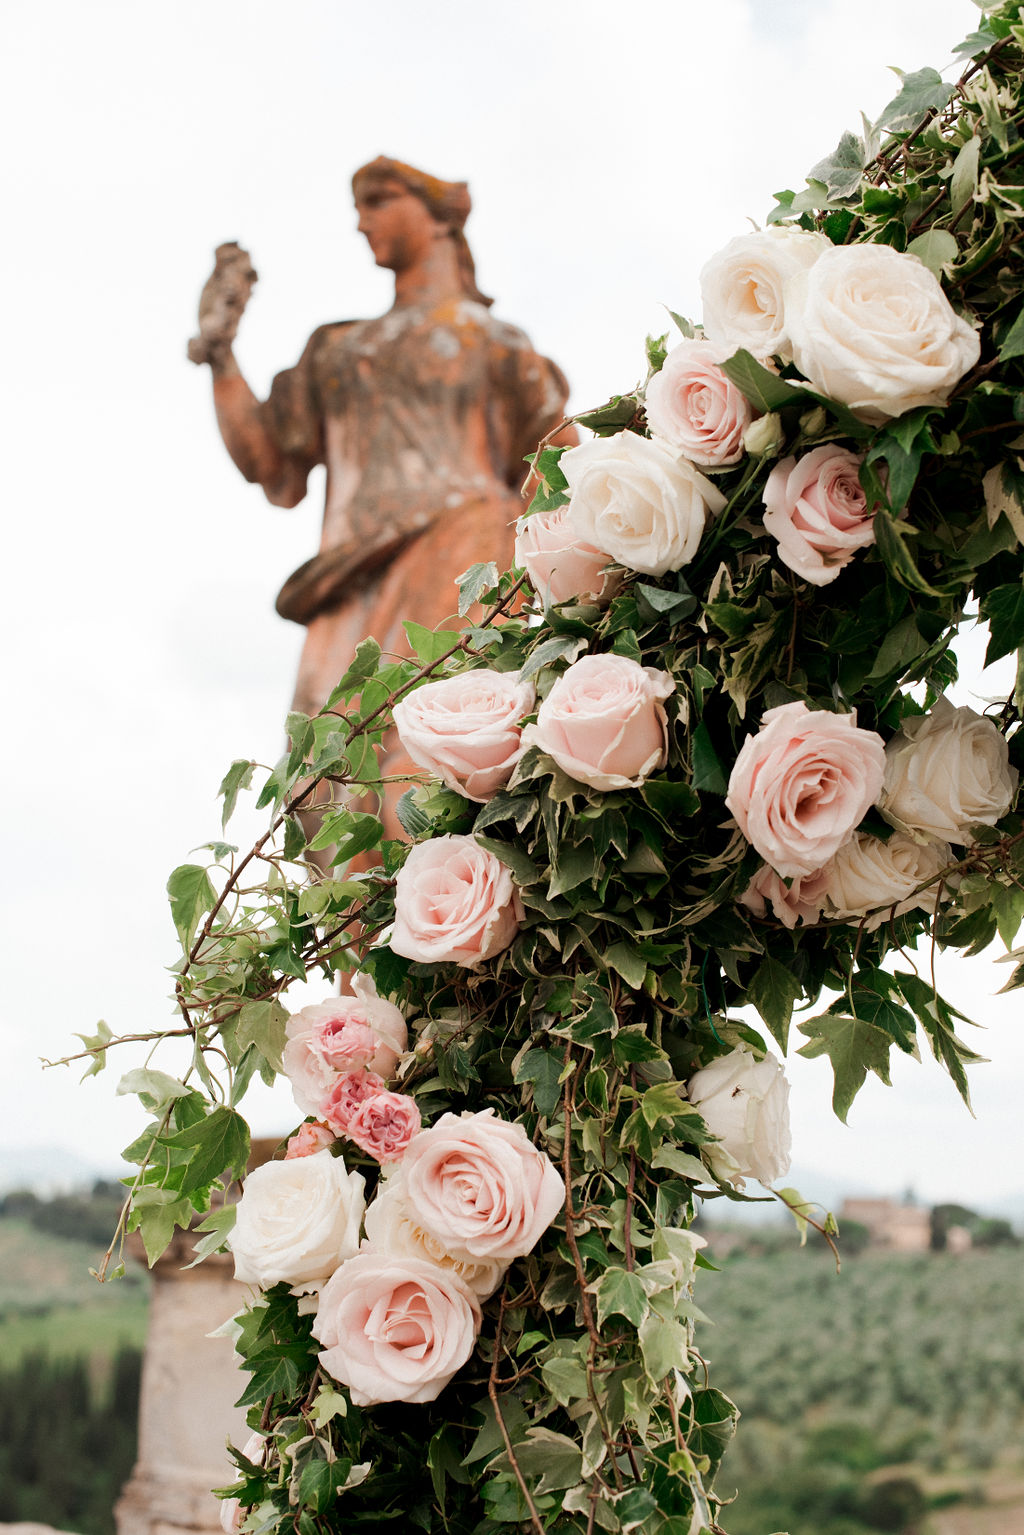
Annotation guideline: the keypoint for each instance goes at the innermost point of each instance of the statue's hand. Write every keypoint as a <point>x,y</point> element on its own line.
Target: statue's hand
<point>222,304</point>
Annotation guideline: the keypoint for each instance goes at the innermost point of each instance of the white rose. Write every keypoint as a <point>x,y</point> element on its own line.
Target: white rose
<point>391,1227</point>
<point>297,1221</point>
<point>868,875</point>
<point>694,407</point>
<point>638,500</point>
<point>946,772</point>
<point>872,328</point>
<point>745,1103</point>
<point>743,287</point>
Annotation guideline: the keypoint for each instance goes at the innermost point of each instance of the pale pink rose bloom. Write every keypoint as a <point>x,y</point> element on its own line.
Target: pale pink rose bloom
<point>308,1140</point>
<point>946,772</point>
<point>801,785</point>
<point>383,1124</point>
<point>800,901</point>
<point>604,722</point>
<point>871,327</point>
<point>296,1221</point>
<point>745,1102</point>
<point>694,407</point>
<point>559,564</point>
<point>347,1095</point>
<point>817,509</point>
<point>870,881</point>
<point>392,1227</point>
<point>340,1035</point>
<point>395,1329</point>
<point>455,903</point>
<point>743,287</point>
<point>467,729</point>
<point>479,1185</point>
<point>641,501</point>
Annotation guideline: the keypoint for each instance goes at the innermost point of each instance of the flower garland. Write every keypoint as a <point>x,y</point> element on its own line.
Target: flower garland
<point>711,764</point>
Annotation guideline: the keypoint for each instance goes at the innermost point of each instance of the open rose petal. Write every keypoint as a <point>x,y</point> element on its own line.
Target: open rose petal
<point>455,903</point>
<point>604,722</point>
<point>467,729</point>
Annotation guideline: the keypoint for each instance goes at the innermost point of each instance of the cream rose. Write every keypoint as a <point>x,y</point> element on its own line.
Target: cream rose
<point>817,510</point>
<point>745,1103</point>
<point>296,1221</point>
<point>455,903</point>
<point>480,1187</point>
<point>639,500</point>
<point>802,900</point>
<point>604,722</point>
<point>395,1329</point>
<point>693,407</point>
<point>874,880</point>
<point>343,1034</point>
<point>559,566</point>
<point>801,785</point>
<point>467,729</point>
<point>872,328</point>
<point>743,288</point>
<point>946,772</point>
<point>392,1227</point>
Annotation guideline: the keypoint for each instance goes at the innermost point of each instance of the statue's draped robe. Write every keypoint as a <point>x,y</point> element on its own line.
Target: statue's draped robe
<point>422,418</point>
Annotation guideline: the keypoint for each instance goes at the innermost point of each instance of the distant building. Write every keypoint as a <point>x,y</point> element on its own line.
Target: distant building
<point>893,1227</point>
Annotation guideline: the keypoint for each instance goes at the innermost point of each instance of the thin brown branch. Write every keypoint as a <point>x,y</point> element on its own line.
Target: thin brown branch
<point>492,1392</point>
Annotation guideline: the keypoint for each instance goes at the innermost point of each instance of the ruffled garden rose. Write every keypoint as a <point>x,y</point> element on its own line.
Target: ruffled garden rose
<point>946,772</point>
<point>693,407</point>
<point>384,1124</point>
<point>802,784</point>
<point>296,1221</point>
<point>642,502</point>
<point>479,1186</point>
<point>802,900</point>
<point>874,880</point>
<point>308,1140</point>
<point>745,1102</point>
<point>872,328</point>
<point>455,903</point>
<point>340,1035</point>
<point>559,565</point>
<point>743,288</point>
<point>604,722</point>
<point>817,510</point>
<point>395,1329</point>
<point>347,1095</point>
<point>467,729</point>
<point>392,1227</point>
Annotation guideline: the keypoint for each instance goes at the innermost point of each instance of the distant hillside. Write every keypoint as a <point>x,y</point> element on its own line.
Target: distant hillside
<point>48,1170</point>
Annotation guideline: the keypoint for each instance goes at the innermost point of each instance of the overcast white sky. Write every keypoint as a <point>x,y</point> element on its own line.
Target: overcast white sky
<point>610,150</point>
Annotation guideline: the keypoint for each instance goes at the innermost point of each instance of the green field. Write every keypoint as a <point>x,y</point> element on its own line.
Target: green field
<point>888,1397</point>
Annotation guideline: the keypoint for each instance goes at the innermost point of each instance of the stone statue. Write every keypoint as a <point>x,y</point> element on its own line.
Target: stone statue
<point>422,418</point>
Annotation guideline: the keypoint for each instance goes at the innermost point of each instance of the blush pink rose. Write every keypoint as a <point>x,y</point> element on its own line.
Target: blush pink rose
<point>816,507</point>
<point>694,407</point>
<point>802,900</point>
<point>308,1140</point>
<point>467,729</point>
<point>478,1185</point>
<point>604,722</point>
<point>800,786</point>
<point>559,564</point>
<point>395,1329</point>
<point>347,1096</point>
<point>383,1124</point>
<point>455,904</point>
<point>341,1035</point>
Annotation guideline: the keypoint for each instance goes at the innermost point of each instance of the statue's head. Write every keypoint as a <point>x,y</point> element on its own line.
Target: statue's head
<point>416,207</point>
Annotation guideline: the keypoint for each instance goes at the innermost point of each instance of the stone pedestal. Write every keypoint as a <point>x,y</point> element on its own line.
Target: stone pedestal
<point>186,1411</point>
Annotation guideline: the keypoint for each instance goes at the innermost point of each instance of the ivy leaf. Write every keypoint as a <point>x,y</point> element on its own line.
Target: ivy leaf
<point>891,538</point>
<point>428,645</point>
<point>155,1088</point>
<point>263,1024</point>
<point>474,582</point>
<point>362,666</point>
<point>1013,341</point>
<point>219,1144</point>
<point>611,418</point>
<point>237,777</point>
<point>625,961</point>
<point>619,1293</point>
<point>841,171</point>
<point>157,1212</point>
<point>921,92</point>
<point>95,1043</point>
<point>320,1483</point>
<point>773,990</point>
<point>708,773</point>
<point>191,894</point>
<point>665,1345</point>
<point>963,183</point>
<point>937,248</point>
<point>854,1048</point>
<point>1004,609</point>
<point>765,390</point>
<point>216,1226</point>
